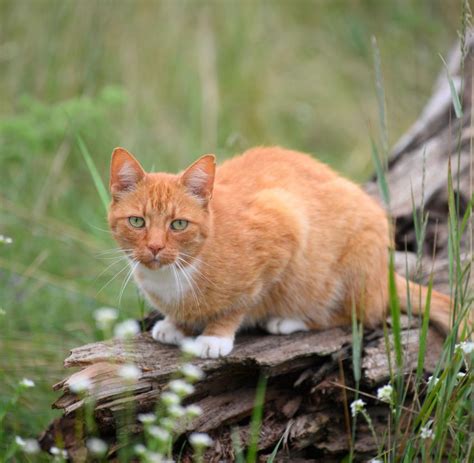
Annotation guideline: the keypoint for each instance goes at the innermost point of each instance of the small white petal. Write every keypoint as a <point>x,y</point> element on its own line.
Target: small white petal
<point>25,382</point>
<point>129,372</point>
<point>79,385</point>
<point>167,423</point>
<point>466,346</point>
<point>170,398</point>
<point>55,451</point>
<point>357,406</point>
<point>426,432</point>
<point>385,394</point>
<point>146,418</point>
<point>19,441</point>
<point>127,329</point>
<point>192,372</point>
<point>180,387</point>
<point>96,447</point>
<point>200,439</point>
<point>105,317</point>
<point>176,411</point>
<point>193,411</point>
<point>140,449</point>
<point>190,346</point>
<point>31,446</point>
<point>158,433</point>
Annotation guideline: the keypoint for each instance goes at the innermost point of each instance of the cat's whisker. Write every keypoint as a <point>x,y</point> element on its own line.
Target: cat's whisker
<point>114,251</point>
<point>113,278</point>
<point>108,267</point>
<point>190,283</point>
<point>196,269</point>
<point>181,253</point>
<point>133,266</point>
<point>179,299</point>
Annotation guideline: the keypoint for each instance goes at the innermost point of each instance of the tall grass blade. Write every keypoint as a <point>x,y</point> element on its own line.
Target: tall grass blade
<point>356,346</point>
<point>256,422</point>
<point>424,333</point>
<point>380,97</point>
<point>99,184</point>
<point>395,314</point>
<point>454,94</point>
<point>379,171</point>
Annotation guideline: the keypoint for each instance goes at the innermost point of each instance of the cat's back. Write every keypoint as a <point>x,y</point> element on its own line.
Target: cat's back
<point>272,167</point>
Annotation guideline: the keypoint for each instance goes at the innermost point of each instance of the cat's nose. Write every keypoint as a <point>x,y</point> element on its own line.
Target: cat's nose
<point>155,248</point>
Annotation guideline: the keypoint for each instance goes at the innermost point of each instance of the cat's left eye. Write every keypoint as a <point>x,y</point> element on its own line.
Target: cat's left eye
<point>179,224</point>
<point>137,222</point>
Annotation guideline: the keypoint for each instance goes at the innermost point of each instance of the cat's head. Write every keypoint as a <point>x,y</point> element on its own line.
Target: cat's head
<point>159,218</point>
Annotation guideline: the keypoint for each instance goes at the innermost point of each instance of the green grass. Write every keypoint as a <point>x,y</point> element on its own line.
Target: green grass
<point>170,80</point>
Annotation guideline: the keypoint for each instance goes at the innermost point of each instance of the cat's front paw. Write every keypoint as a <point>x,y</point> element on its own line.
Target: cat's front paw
<point>167,332</point>
<point>278,325</point>
<point>213,346</point>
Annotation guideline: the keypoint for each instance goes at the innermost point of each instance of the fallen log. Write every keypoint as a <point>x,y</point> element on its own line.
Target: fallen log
<point>310,375</point>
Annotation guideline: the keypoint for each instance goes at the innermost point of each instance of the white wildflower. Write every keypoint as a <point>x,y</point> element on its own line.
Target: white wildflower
<point>105,317</point>
<point>127,329</point>
<point>190,346</point>
<point>200,439</point>
<point>167,423</point>
<point>426,431</point>
<point>5,239</point>
<point>433,380</point>
<point>374,460</point>
<point>79,385</point>
<point>129,372</point>
<point>31,446</point>
<point>27,383</point>
<point>181,388</point>
<point>460,376</point>
<point>193,411</point>
<point>154,457</point>
<point>176,411</point>
<point>57,452</point>
<point>466,346</point>
<point>170,398</point>
<point>146,418</point>
<point>19,441</point>
<point>140,449</point>
<point>96,446</point>
<point>357,406</point>
<point>158,433</point>
<point>192,372</point>
<point>385,394</point>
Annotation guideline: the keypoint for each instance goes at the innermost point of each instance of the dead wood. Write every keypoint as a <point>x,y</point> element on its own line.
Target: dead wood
<point>310,376</point>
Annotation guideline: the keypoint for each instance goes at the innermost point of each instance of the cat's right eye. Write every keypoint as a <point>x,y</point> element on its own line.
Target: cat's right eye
<point>136,222</point>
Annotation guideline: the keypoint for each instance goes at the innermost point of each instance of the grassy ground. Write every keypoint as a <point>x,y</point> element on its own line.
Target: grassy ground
<point>170,80</point>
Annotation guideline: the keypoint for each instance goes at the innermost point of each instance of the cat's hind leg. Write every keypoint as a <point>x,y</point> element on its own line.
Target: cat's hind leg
<point>280,325</point>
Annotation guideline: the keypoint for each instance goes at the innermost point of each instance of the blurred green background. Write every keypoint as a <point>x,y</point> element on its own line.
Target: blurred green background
<point>170,80</point>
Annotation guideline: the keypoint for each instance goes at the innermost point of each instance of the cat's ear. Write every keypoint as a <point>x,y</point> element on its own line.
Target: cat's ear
<point>198,178</point>
<point>125,172</point>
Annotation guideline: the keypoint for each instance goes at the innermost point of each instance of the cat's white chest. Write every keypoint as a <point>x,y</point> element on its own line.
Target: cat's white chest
<point>169,284</point>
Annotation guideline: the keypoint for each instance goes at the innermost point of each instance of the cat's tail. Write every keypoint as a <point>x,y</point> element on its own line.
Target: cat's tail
<point>440,307</point>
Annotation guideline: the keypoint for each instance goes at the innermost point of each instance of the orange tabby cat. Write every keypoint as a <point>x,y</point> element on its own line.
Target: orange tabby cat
<point>271,237</point>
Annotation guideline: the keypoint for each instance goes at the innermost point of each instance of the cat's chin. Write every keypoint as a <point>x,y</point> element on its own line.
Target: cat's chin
<point>154,264</point>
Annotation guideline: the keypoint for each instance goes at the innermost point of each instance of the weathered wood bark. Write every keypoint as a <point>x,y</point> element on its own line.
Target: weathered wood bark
<point>310,377</point>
